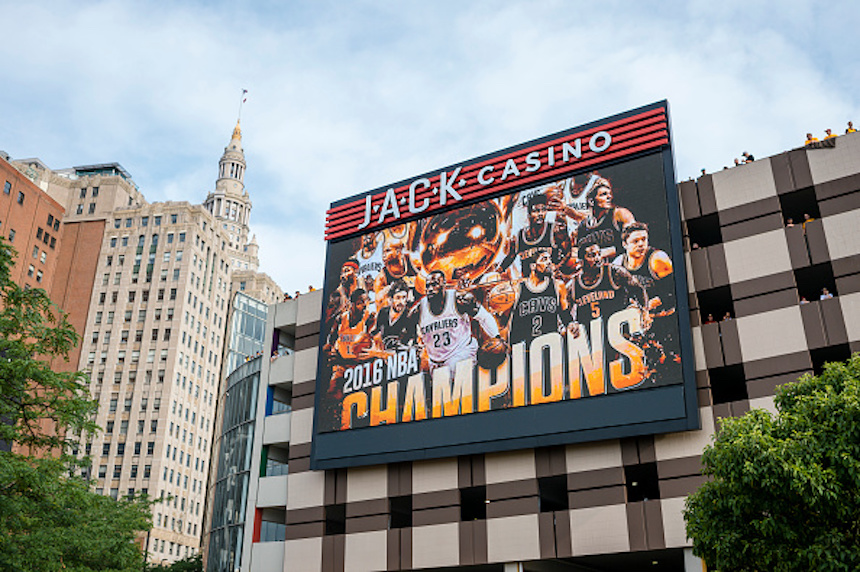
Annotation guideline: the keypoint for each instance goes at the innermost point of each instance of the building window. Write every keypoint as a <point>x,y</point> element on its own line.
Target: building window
<point>157,221</point>
<point>39,276</point>
<point>20,198</point>
<point>95,192</point>
<point>117,222</point>
<point>7,188</point>
<point>53,242</point>
<point>11,235</point>
<point>92,208</point>
<point>144,221</point>
<point>83,192</point>
<point>39,233</point>
<point>181,237</point>
<point>80,209</point>
<point>30,271</point>
<point>174,218</point>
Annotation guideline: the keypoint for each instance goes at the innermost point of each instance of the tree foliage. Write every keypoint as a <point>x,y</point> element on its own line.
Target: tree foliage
<point>49,519</point>
<point>784,493</point>
<point>33,331</point>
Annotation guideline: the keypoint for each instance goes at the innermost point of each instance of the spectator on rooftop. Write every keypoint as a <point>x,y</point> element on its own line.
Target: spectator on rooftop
<point>830,134</point>
<point>810,139</point>
<point>850,128</point>
<point>789,222</point>
<point>737,162</point>
<point>826,294</point>
<point>748,158</point>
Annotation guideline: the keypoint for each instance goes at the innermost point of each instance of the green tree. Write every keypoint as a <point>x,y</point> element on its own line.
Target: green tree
<point>784,490</point>
<point>51,519</point>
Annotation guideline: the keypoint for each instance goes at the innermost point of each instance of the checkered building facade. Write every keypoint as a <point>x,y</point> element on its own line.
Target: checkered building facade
<point>595,505</point>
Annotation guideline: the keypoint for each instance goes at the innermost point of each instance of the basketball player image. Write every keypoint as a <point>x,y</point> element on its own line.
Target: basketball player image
<point>530,241</point>
<point>396,326</point>
<point>349,337</point>
<point>600,290</point>
<point>542,304</point>
<point>606,220</point>
<point>445,324</point>
<point>397,266</point>
<point>348,282</point>
<point>650,266</point>
<point>653,269</point>
<point>369,258</point>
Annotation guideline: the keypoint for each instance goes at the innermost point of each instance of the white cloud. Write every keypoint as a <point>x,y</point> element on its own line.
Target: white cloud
<point>345,97</point>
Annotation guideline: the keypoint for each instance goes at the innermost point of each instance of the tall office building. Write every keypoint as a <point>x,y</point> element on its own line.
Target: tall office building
<point>148,286</point>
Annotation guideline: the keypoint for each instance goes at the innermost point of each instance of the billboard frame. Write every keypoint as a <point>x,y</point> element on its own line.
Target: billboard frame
<point>658,410</point>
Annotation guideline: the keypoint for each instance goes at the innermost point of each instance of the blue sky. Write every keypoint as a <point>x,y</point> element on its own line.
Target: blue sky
<point>348,96</point>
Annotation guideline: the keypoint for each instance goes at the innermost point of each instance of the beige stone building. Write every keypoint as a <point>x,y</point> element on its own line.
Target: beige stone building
<point>148,286</point>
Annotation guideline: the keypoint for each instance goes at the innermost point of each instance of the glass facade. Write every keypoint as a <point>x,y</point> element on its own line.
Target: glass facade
<point>232,473</point>
<point>247,331</point>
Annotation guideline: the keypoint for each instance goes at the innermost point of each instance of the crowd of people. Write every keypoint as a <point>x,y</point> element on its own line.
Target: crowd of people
<point>810,139</point>
<point>288,297</point>
<point>828,134</point>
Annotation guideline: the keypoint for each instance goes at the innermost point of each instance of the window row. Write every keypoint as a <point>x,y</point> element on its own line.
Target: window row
<point>133,472</point>
<point>122,241</point>
<point>138,336</point>
<point>110,426</point>
<point>134,356</point>
<point>144,220</point>
<point>137,447</point>
<point>45,237</point>
<point>144,403</point>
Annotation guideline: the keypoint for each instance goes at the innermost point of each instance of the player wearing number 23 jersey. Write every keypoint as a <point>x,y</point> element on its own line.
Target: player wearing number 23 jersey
<point>445,324</point>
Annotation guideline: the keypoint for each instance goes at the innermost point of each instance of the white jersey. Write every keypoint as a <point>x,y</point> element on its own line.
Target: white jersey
<point>446,334</point>
<point>370,266</point>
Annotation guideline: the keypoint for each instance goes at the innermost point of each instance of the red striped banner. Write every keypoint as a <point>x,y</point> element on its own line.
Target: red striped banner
<point>569,153</point>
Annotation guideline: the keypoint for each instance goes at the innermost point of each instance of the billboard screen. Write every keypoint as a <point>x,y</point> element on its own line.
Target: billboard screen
<point>530,297</point>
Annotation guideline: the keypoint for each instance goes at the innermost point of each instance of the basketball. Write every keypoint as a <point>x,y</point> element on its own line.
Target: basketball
<point>501,298</point>
<point>492,353</point>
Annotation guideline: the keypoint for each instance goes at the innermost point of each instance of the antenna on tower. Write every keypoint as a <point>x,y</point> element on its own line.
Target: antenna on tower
<point>242,101</point>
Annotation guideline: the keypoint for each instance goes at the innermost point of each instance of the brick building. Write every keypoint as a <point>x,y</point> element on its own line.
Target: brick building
<point>32,223</point>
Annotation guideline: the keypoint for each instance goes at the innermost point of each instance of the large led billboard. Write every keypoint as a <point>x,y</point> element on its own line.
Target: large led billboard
<point>534,296</point>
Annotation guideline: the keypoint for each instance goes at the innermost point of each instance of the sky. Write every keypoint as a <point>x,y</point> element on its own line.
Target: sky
<point>344,97</point>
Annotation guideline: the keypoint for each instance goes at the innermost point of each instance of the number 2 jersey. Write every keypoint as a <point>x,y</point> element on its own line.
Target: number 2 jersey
<point>535,313</point>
